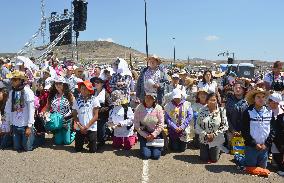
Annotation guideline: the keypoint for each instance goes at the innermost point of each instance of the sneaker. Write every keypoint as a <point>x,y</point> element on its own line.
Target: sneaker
<point>281,173</point>
<point>224,149</point>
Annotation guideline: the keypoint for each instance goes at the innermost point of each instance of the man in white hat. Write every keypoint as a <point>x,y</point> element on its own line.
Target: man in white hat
<point>157,75</point>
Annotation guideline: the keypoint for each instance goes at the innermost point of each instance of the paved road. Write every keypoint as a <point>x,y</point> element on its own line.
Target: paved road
<point>62,164</point>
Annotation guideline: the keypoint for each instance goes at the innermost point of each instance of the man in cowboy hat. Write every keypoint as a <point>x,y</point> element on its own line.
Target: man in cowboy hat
<point>158,77</point>
<point>20,111</point>
<point>257,129</point>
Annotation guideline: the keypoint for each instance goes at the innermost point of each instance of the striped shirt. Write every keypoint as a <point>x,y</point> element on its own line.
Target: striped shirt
<point>61,105</point>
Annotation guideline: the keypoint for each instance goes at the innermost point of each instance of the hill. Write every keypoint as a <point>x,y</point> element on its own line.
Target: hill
<point>100,51</point>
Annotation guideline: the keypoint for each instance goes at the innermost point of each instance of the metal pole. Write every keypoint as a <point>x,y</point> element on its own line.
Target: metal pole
<point>174,50</point>
<point>77,35</point>
<point>146,29</point>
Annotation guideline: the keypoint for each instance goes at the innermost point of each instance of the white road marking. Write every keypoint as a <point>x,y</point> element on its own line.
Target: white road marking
<point>145,176</point>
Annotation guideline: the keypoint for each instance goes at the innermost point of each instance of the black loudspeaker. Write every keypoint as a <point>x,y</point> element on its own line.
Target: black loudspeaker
<point>230,61</point>
<point>56,27</point>
<point>80,15</point>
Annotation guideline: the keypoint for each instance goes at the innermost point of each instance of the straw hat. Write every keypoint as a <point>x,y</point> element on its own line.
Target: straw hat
<point>17,74</point>
<point>202,90</point>
<point>218,74</point>
<point>155,57</point>
<point>182,72</point>
<point>189,81</point>
<point>251,94</point>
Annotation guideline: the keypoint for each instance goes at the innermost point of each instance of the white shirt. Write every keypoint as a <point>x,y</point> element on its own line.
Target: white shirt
<point>5,127</point>
<point>101,96</point>
<point>116,115</point>
<point>85,111</point>
<point>25,116</point>
<point>210,87</point>
<point>269,78</point>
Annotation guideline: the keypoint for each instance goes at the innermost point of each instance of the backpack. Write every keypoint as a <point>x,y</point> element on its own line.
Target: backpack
<point>55,123</point>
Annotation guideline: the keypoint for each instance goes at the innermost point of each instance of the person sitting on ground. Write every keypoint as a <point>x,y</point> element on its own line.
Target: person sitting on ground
<point>235,107</point>
<point>86,114</point>
<point>211,125</point>
<point>149,123</point>
<point>257,129</point>
<point>20,111</point>
<point>178,116</point>
<point>121,120</point>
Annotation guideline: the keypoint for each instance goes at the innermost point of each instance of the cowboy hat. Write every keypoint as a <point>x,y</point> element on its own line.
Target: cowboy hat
<point>189,81</point>
<point>88,85</point>
<point>155,57</point>
<point>218,74</point>
<point>182,72</point>
<point>202,90</point>
<point>17,74</point>
<point>251,94</point>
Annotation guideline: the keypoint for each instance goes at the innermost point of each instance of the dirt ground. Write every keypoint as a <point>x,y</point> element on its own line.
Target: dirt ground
<point>62,164</point>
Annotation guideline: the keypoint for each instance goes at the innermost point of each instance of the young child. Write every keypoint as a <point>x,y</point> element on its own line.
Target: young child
<point>121,120</point>
<point>85,112</point>
<point>257,129</point>
<point>5,135</point>
<point>41,96</point>
<point>20,111</point>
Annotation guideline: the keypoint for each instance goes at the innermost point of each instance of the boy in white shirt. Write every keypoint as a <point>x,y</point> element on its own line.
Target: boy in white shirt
<point>85,112</point>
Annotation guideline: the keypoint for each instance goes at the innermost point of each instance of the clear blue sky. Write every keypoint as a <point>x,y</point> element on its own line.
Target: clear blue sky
<point>253,29</point>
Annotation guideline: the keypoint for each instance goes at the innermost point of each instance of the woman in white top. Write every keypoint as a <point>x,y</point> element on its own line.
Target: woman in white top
<point>207,82</point>
<point>211,126</point>
<point>60,100</point>
<point>104,99</point>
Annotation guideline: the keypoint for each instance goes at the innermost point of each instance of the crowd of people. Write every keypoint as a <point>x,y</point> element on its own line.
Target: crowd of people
<point>162,109</point>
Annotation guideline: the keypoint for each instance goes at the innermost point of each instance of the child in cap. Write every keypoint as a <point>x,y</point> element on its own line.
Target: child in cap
<point>121,120</point>
<point>85,112</point>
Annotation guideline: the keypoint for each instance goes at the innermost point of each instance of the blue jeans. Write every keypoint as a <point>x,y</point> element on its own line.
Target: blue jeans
<point>20,141</point>
<point>149,152</point>
<point>64,136</point>
<point>177,145</point>
<point>255,158</point>
<point>6,141</point>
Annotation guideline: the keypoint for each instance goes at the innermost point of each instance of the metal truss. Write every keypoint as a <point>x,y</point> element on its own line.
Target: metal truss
<point>55,42</point>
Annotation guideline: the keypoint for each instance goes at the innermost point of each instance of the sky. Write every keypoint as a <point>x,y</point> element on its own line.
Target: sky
<point>252,29</point>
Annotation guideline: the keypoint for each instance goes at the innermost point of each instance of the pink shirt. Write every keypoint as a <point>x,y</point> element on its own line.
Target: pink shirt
<point>149,121</point>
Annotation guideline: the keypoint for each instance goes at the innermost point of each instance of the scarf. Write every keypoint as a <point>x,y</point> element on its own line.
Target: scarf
<point>18,98</point>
